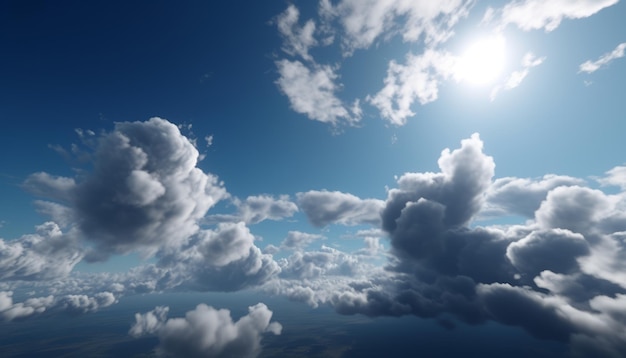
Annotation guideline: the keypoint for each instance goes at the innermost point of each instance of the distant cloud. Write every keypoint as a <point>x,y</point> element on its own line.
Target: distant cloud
<point>311,91</point>
<point>297,240</point>
<point>207,332</point>
<point>560,275</point>
<point>516,77</point>
<point>257,208</point>
<point>604,60</point>
<point>547,15</point>
<point>330,207</point>
<point>47,255</point>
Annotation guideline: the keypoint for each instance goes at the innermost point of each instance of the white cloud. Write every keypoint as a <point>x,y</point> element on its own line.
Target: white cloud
<point>297,240</point>
<point>592,66</point>
<point>364,22</point>
<point>539,14</point>
<point>48,254</point>
<point>207,332</point>
<point>417,80</point>
<point>329,207</point>
<point>616,177</point>
<point>516,77</point>
<point>311,91</point>
<point>296,40</point>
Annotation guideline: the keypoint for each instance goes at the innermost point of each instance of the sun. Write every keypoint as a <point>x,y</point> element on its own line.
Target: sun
<point>483,60</point>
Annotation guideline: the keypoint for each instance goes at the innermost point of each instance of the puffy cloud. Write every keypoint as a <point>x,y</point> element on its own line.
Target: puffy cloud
<point>144,193</point>
<point>48,254</point>
<point>297,40</point>
<point>311,91</point>
<point>10,310</point>
<point>207,332</point>
<point>516,77</point>
<point>418,79</point>
<point>523,196</point>
<point>297,240</point>
<point>538,14</point>
<point>223,259</point>
<point>592,66</point>
<point>328,207</point>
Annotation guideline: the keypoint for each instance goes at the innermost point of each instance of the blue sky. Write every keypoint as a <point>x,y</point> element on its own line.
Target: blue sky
<point>293,150</point>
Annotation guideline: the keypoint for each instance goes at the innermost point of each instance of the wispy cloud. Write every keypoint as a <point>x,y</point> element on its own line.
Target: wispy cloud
<point>516,77</point>
<point>604,60</point>
<point>547,15</point>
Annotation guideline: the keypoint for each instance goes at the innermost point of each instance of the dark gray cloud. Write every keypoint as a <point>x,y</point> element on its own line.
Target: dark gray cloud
<point>207,332</point>
<point>331,207</point>
<point>559,276</point>
<point>145,191</point>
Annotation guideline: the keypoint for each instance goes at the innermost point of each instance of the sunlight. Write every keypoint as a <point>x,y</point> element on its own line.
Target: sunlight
<point>483,60</point>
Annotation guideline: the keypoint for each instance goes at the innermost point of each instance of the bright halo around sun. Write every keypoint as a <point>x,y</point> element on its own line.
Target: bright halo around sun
<point>483,60</point>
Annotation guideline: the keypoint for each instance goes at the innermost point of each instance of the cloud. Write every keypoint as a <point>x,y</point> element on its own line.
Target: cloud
<point>516,77</point>
<point>296,40</point>
<point>560,275</point>
<point>604,60</point>
<point>297,240</point>
<point>311,91</point>
<point>417,80</point>
<point>329,207</point>
<point>224,259</point>
<point>538,14</point>
<point>615,177</point>
<point>48,254</point>
<point>255,209</point>
<point>522,196</point>
<point>207,332</point>
<point>145,191</point>
<point>363,22</point>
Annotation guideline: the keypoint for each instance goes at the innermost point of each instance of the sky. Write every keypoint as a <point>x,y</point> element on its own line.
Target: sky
<point>228,179</point>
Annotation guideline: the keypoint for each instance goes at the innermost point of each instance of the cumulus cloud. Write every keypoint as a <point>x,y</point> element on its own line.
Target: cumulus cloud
<point>516,77</point>
<point>312,91</point>
<point>144,193</point>
<point>560,275</point>
<point>604,60</point>
<point>223,259</point>
<point>537,14</point>
<point>416,80</point>
<point>207,332</point>
<point>328,207</point>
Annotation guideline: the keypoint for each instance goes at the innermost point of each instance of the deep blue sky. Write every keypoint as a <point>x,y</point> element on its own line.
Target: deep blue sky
<point>327,120</point>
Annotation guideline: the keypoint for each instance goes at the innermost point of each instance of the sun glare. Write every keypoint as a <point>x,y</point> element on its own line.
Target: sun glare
<point>483,60</point>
